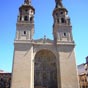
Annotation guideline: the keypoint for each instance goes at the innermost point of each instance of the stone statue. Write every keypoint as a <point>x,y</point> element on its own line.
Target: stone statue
<point>58,3</point>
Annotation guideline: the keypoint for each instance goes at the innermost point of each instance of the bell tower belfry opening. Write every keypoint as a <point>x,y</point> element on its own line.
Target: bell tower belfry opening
<point>44,63</point>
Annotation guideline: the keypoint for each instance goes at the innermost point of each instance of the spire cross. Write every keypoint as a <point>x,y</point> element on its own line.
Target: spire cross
<point>27,1</point>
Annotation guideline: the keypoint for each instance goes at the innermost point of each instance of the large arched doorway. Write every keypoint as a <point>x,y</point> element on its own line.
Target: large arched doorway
<point>45,70</point>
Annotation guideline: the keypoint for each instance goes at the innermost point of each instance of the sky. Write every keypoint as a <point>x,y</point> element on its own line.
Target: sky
<point>9,9</point>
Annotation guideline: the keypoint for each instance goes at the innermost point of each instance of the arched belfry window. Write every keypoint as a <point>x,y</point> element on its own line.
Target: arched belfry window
<point>62,20</point>
<point>58,21</point>
<point>25,18</point>
<point>20,18</point>
<point>64,34</point>
<point>31,19</point>
<point>45,70</point>
<point>24,32</point>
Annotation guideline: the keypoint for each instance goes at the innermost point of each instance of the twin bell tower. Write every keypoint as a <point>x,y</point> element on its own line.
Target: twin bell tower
<point>44,63</point>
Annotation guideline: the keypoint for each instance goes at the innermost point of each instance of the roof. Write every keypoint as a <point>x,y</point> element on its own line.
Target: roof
<point>2,71</point>
<point>81,69</point>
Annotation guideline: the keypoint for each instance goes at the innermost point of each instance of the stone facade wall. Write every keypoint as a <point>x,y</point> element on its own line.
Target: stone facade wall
<point>23,67</point>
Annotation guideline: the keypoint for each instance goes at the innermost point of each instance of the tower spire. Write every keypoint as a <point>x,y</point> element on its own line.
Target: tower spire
<point>58,3</point>
<point>27,1</point>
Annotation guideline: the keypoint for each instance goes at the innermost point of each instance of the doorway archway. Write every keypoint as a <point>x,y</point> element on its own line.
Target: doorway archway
<point>45,70</point>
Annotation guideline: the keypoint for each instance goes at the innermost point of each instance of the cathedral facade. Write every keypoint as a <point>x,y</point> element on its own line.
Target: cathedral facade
<point>44,63</point>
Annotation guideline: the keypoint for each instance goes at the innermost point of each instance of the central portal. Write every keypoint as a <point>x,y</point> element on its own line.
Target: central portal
<point>45,70</point>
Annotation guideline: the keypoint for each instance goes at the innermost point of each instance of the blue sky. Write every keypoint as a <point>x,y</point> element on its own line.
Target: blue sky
<point>77,10</point>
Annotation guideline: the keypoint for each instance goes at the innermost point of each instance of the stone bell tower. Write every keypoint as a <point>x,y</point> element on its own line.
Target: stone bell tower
<point>44,63</point>
<point>21,74</point>
<point>62,33</point>
<point>25,22</point>
<point>62,29</point>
